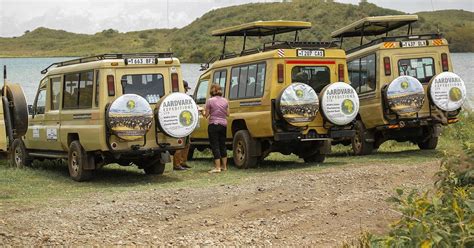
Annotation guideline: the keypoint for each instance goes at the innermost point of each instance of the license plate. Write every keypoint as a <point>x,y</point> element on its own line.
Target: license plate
<point>140,61</point>
<point>414,43</point>
<point>310,53</point>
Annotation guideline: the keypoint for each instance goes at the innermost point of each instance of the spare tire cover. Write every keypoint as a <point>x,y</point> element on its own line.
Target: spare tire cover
<point>130,117</point>
<point>178,115</point>
<point>19,111</point>
<point>405,95</point>
<point>339,103</point>
<point>298,104</point>
<point>447,91</point>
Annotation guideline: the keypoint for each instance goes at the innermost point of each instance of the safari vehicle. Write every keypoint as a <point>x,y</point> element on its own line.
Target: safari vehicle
<point>405,83</point>
<point>111,108</point>
<point>273,95</point>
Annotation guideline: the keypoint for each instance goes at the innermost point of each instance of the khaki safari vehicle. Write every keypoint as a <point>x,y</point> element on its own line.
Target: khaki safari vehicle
<point>286,96</point>
<point>405,83</point>
<point>111,108</point>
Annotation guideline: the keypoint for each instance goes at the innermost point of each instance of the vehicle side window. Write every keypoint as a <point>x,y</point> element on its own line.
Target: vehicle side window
<point>77,90</point>
<point>247,81</point>
<point>40,103</point>
<point>201,91</point>
<point>220,78</point>
<point>362,73</point>
<point>234,82</point>
<point>96,100</point>
<point>55,92</point>
<point>86,88</point>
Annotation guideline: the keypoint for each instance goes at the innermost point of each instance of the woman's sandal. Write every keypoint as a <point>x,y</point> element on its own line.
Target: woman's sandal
<point>215,171</point>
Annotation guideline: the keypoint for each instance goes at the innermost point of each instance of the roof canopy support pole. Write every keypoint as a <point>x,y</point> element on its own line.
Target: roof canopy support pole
<point>342,39</point>
<point>223,47</point>
<point>296,35</point>
<point>410,31</point>
<point>245,41</point>
<point>362,34</point>
<point>273,38</point>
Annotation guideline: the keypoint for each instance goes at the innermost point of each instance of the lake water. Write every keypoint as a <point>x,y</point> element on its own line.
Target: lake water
<point>27,71</point>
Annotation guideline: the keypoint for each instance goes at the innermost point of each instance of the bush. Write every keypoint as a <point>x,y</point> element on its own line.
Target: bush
<point>442,217</point>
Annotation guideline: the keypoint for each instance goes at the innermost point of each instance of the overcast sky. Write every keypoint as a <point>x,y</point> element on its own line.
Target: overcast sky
<point>91,16</point>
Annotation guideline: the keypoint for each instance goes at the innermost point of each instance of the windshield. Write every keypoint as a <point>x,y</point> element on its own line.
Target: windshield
<point>419,68</point>
<point>315,76</point>
<point>148,86</point>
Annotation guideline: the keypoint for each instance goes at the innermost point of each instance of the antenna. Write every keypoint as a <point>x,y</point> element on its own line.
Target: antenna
<point>168,13</point>
<point>4,80</point>
<point>432,9</point>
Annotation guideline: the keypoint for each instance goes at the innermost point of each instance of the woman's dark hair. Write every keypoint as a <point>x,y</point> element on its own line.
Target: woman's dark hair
<point>216,90</point>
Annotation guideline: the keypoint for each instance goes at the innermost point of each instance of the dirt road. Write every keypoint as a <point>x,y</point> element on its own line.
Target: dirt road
<point>320,208</point>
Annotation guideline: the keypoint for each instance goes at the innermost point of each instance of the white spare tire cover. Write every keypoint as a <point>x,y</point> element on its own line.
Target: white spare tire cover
<point>405,95</point>
<point>178,115</point>
<point>298,104</point>
<point>130,117</point>
<point>339,103</point>
<point>447,91</point>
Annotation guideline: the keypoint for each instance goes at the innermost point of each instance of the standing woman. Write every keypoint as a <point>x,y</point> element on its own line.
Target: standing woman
<point>217,110</point>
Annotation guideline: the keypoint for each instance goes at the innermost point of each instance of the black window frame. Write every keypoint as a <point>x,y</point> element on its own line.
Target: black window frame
<point>35,104</point>
<point>200,82</point>
<point>96,88</point>
<point>256,73</point>
<point>358,89</point>
<point>51,93</point>
<point>79,90</point>
<point>433,64</point>
<point>322,66</point>
<point>220,77</point>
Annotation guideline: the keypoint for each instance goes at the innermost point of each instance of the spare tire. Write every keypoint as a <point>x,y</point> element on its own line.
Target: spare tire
<point>447,91</point>
<point>298,104</point>
<point>177,114</point>
<point>405,95</point>
<point>339,103</point>
<point>18,109</point>
<point>129,117</point>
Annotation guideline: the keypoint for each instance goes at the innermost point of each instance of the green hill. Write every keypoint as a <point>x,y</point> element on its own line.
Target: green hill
<point>193,43</point>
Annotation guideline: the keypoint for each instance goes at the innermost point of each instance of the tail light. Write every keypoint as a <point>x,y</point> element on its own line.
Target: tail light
<point>111,85</point>
<point>340,71</point>
<point>281,77</point>
<point>444,62</point>
<point>387,66</point>
<point>174,82</point>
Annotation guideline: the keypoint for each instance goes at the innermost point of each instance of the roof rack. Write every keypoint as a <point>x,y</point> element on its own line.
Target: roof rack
<point>107,56</point>
<point>395,39</point>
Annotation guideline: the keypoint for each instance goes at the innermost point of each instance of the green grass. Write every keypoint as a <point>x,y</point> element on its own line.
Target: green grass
<point>49,180</point>
<point>193,43</point>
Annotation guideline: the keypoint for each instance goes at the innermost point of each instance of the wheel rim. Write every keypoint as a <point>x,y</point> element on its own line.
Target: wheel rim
<point>240,152</point>
<point>18,157</point>
<point>74,163</point>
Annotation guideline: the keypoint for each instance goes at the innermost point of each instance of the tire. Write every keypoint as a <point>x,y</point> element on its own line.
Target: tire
<point>315,158</point>
<point>429,144</point>
<point>19,155</point>
<point>153,166</point>
<point>359,144</point>
<point>241,146</point>
<point>77,161</point>
<point>191,152</point>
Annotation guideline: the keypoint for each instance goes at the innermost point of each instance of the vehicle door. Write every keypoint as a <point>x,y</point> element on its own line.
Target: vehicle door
<point>36,134</point>
<point>200,96</point>
<point>3,134</point>
<point>52,114</point>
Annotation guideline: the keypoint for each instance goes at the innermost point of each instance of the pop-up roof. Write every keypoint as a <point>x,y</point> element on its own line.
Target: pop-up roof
<point>374,25</point>
<point>262,28</point>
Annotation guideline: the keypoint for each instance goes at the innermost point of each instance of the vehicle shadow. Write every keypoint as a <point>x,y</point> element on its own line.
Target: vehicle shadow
<point>391,154</point>
<point>106,176</point>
